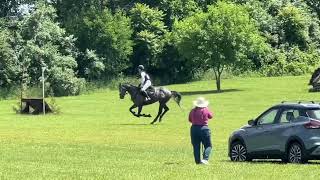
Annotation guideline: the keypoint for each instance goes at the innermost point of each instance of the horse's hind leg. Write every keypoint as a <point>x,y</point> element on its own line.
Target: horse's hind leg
<point>166,109</point>
<point>159,113</point>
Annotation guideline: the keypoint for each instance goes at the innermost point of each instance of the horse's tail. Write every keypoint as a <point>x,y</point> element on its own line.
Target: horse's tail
<point>177,97</point>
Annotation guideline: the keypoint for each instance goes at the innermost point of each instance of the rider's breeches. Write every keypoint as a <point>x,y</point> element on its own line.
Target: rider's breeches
<point>146,85</point>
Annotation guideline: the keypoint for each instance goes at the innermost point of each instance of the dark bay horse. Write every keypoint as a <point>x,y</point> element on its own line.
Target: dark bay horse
<point>160,94</point>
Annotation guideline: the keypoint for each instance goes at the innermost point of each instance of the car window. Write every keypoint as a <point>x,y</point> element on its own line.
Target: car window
<point>314,113</point>
<point>289,115</point>
<point>269,117</point>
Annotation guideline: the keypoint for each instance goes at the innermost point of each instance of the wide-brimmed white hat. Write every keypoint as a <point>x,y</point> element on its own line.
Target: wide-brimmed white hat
<point>201,102</point>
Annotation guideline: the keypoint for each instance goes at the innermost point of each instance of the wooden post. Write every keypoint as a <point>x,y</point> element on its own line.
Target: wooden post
<point>43,101</point>
<point>22,88</point>
<point>21,94</point>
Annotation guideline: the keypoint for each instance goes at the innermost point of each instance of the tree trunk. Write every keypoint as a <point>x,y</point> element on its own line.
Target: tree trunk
<point>218,83</point>
<point>218,73</point>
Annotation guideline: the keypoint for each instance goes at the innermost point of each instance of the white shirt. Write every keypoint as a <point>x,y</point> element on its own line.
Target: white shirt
<point>143,77</point>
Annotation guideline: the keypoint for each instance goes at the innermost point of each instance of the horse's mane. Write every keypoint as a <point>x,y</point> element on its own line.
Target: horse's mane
<point>131,86</point>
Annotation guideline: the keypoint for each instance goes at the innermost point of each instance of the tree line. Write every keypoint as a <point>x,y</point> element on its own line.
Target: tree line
<point>93,40</point>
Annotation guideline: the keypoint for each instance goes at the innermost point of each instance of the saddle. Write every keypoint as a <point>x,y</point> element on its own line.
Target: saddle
<point>151,90</point>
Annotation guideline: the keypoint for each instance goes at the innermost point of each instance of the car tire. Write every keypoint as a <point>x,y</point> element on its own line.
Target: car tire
<point>296,154</point>
<point>238,152</point>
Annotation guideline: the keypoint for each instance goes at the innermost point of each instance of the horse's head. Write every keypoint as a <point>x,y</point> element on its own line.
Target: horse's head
<point>122,91</point>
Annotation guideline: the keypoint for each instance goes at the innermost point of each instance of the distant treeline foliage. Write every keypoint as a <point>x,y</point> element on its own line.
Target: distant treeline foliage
<point>176,40</point>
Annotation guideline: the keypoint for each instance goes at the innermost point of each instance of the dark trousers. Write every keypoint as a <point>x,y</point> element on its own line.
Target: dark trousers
<point>201,134</point>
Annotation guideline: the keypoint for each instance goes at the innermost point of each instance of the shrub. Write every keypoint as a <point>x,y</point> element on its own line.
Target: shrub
<point>64,83</point>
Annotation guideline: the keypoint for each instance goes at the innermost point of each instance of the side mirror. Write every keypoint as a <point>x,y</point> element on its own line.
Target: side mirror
<point>251,122</point>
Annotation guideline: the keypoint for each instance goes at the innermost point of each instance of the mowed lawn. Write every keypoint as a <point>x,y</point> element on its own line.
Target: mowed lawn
<point>96,137</point>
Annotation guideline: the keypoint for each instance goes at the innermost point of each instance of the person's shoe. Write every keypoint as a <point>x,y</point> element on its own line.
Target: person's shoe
<point>204,162</point>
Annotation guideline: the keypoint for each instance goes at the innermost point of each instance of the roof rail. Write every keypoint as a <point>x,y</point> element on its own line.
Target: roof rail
<point>299,102</point>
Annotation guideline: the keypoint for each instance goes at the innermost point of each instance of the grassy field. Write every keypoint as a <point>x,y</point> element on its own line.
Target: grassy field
<point>96,137</point>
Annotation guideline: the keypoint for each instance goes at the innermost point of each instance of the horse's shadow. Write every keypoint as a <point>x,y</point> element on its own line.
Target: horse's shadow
<point>128,124</point>
<point>189,93</point>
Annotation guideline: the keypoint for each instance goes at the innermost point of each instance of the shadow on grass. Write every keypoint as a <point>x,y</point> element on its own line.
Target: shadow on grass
<point>271,161</point>
<point>134,124</point>
<point>172,163</point>
<point>189,93</point>
<point>145,124</point>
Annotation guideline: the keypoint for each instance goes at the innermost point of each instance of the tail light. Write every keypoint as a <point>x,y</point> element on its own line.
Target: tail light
<point>313,124</point>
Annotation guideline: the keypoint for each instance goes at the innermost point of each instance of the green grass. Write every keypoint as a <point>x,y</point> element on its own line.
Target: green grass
<point>96,137</point>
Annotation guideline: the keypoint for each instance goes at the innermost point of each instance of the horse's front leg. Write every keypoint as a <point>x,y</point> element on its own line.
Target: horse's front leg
<point>139,112</point>
<point>131,110</point>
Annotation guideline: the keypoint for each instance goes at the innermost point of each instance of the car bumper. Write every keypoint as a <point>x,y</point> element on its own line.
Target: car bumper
<point>313,147</point>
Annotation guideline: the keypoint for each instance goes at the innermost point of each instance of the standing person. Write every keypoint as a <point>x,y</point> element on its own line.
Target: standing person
<point>200,132</point>
<point>145,81</point>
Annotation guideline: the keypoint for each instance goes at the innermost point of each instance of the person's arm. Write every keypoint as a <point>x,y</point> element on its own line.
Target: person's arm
<point>209,113</point>
<point>190,116</point>
<point>142,78</point>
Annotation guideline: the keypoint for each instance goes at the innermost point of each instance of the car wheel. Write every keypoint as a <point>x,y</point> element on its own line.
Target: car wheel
<point>296,154</point>
<point>238,152</point>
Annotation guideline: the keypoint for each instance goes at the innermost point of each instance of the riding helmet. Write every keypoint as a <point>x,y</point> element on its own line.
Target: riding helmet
<point>141,67</point>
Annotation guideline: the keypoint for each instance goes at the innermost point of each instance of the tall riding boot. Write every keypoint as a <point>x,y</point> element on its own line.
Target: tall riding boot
<point>145,94</point>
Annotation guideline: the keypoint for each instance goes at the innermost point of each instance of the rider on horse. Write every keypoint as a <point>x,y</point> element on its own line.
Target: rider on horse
<point>145,81</point>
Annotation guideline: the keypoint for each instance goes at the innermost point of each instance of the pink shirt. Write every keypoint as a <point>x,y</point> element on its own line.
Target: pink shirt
<point>200,116</point>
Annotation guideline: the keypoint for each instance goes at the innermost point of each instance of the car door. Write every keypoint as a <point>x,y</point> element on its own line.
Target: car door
<point>284,128</point>
<point>259,139</point>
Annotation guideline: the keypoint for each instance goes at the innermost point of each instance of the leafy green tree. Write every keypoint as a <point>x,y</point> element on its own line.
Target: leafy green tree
<point>149,31</point>
<point>203,4</point>
<point>71,12</point>
<point>12,7</point>
<point>291,61</point>
<point>94,66</point>
<point>177,10</point>
<point>47,45</point>
<point>110,36</point>
<point>9,64</point>
<point>315,5</point>
<point>220,38</point>
<point>294,26</point>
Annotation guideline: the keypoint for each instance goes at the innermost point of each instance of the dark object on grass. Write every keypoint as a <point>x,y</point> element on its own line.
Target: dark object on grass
<point>34,106</point>
<point>314,81</point>
<point>159,94</point>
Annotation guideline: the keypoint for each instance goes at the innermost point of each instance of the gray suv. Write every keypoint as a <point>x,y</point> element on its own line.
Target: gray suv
<point>287,131</point>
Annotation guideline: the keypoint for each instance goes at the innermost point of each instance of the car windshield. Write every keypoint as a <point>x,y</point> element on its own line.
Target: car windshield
<point>314,113</point>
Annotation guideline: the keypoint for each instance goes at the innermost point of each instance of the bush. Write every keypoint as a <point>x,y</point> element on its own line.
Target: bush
<point>64,83</point>
<point>291,62</point>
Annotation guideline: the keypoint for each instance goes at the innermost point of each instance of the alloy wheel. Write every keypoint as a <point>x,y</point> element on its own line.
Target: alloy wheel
<point>238,152</point>
<point>295,154</point>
